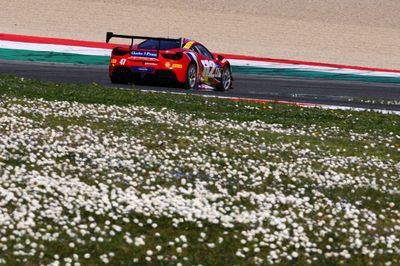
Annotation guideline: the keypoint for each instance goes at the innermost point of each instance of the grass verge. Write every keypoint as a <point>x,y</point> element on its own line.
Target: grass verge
<point>97,175</point>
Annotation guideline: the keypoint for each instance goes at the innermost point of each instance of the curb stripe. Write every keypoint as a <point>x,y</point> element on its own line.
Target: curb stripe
<point>73,58</point>
<point>61,53</point>
<point>275,70</point>
<point>296,62</point>
<point>53,57</point>
<point>271,65</point>
<point>317,74</point>
<point>45,40</point>
<point>91,44</point>
<point>54,48</point>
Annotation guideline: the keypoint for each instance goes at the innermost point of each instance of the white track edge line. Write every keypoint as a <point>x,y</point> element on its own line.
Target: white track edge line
<point>299,104</point>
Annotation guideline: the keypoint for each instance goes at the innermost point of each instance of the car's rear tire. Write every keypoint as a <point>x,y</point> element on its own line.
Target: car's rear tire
<point>191,81</point>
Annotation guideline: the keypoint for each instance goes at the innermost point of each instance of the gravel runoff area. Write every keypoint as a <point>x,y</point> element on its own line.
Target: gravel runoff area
<point>96,183</point>
<point>354,32</point>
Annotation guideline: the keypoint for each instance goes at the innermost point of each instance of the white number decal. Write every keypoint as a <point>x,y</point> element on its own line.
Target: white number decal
<point>211,69</point>
<point>123,61</point>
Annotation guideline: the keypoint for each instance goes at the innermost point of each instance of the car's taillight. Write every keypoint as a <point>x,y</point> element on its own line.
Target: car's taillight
<point>118,51</point>
<point>176,56</point>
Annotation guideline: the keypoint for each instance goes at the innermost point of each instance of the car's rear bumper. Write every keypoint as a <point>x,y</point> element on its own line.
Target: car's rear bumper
<point>129,74</point>
<point>159,69</point>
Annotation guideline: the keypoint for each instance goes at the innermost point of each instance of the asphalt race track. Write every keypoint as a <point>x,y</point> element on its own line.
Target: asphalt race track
<point>331,92</point>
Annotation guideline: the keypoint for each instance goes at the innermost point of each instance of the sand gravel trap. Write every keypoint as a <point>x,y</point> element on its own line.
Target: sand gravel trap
<point>356,32</point>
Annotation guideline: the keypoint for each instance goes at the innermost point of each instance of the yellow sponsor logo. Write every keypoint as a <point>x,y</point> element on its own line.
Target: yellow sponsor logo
<point>113,61</point>
<point>188,45</point>
<point>177,66</point>
<point>168,64</point>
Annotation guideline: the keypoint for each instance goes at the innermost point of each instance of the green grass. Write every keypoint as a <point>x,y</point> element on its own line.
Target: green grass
<point>218,109</point>
<point>330,135</point>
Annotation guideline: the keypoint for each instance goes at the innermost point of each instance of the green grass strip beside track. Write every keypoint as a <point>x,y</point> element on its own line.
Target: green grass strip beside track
<point>57,57</point>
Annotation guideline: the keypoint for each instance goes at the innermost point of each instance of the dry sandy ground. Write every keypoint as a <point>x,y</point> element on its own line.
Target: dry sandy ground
<point>355,32</point>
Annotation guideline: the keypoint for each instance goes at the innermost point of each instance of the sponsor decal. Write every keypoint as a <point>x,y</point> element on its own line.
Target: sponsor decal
<point>150,64</point>
<point>177,66</point>
<point>188,45</point>
<point>140,53</point>
<point>113,61</point>
<point>143,69</point>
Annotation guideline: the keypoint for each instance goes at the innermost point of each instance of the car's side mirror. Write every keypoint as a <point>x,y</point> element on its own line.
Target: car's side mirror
<point>220,57</point>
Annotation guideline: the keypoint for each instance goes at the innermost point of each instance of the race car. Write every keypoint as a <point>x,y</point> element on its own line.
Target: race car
<point>188,62</point>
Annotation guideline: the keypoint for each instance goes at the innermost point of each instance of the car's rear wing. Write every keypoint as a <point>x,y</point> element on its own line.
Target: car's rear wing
<point>133,37</point>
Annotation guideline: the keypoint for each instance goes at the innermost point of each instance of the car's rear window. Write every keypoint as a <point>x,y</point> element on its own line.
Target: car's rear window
<point>164,44</point>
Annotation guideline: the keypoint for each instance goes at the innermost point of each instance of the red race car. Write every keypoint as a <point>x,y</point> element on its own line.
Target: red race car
<point>185,61</point>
